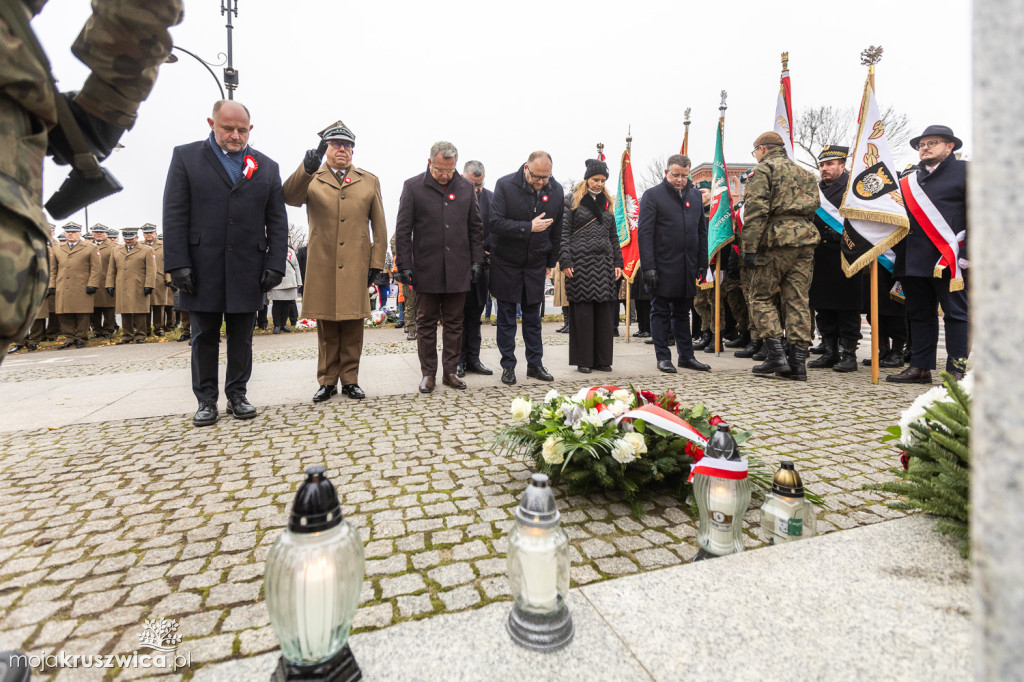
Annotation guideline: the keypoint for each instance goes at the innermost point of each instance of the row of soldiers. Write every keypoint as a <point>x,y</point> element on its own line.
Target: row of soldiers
<point>94,278</point>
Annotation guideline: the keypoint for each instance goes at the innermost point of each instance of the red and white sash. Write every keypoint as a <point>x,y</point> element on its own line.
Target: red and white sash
<point>937,229</point>
<point>663,419</point>
<point>735,470</point>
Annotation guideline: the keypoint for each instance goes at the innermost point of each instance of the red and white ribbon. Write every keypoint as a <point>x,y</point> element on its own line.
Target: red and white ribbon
<point>656,415</point>
<point>735,470</point>
<point>250,166</point>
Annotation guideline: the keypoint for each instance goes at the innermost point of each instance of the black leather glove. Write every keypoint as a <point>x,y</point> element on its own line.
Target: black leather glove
<point>147,290</point>
<point>314,157</point>
<point>172,287</point>
<point>372,275</point>
<point>749,260</point>
<point>110,291</point>
<point>476,270</point>
<point>51,291</point>
<point>650,280</point>
<point>99,135</point>
<point>90,290</point>
<point>184,280</point>
<point>270,279</point>
<point>487,260</point>
<point>405,277</point>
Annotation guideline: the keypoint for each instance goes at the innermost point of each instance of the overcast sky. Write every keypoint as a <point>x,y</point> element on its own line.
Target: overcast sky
<point>502,79</point>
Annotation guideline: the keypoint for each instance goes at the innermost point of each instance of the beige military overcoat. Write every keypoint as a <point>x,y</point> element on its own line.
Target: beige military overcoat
<point>130,273</point>
<point>71,271</point>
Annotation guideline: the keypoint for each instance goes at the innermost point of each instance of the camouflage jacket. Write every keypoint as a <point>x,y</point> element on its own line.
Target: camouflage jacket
<point>779,202</point>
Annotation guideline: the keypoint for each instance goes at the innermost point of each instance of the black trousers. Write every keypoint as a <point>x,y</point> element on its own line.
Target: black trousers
<point>205,349</point>
<point>471,336</point>
<point>842,324</point>
<point>506,333</point>
<point>590,333</point>
<point>279,311</point>
<point>643,316</point>
<point>671,314</point>
<point>924,295</point>
<point>103,320</point>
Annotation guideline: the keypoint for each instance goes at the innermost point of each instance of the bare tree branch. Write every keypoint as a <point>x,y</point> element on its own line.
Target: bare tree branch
<point>297,236</point>
<point>651,175</point>
<point>818,126</point>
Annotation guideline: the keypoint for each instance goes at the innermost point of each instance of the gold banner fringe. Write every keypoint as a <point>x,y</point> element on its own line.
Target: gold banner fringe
<point>898,299</point>
<point>937,272</point>
<point>851,269</point>
<point>706,285</point>
<point>956,284</point>
<point>875,216</point>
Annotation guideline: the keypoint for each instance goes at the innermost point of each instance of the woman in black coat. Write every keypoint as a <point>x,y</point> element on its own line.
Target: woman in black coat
<point>591,259</point>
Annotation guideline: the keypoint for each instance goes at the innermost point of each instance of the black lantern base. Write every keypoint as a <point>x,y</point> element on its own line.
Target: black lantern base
<point>341,668</point>
<point>703,554</point>
<point>540,632</point>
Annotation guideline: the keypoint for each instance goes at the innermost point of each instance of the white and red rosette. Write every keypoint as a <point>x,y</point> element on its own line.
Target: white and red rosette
<point>249,166</point>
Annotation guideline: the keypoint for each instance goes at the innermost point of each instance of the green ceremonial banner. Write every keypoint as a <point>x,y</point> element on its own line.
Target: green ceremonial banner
<point>720,228</point>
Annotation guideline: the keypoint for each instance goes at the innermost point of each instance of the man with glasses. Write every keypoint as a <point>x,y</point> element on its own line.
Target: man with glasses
<point>778,242</point>
<point>440,252</point>
<point>526,217</point>
<point>931,262</point>
<point>343,204</point>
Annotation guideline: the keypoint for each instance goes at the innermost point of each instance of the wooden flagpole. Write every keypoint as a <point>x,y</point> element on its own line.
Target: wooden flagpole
<point>629,143</point>
<point>870,57</point>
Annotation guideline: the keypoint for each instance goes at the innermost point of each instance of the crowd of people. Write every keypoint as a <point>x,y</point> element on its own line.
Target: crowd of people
<point>224,258</point>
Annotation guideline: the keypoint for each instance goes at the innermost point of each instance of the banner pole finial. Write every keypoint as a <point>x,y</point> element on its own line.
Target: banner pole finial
<point>785,61</point>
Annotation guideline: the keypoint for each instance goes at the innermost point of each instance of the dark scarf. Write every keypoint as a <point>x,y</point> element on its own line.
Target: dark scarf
<point>232,161</point>
<point>595,206</point>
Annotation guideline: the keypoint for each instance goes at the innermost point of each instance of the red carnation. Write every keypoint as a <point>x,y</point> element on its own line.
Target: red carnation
<point>648,397</point>
<point>716,420</point>
<point>904,459</point>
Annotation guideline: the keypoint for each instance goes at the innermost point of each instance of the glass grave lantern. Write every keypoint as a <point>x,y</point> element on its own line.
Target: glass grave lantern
<point>722,491</point>
<point>312,582</point>
<point>538,571</point>
<point>786,514</point>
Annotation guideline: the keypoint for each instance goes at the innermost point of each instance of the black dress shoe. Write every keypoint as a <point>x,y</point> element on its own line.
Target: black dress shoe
<point>277,330</point>
<point>240,408</point>
<point>911,375</point>
<point>184,337</point>
<point>584,370</point>
<point>399,324</point>
<point>667,366</point>
<point>642,335</point>
<point>649,342</point>
<point>453,381</point>
<point>14,349</point>
<point>124,341</point>
<point>539,373</point>
<point>508,376</point>
<point>693,363</point>
<point>206,414</point>
<point>603,368</point>
<point>140,340</point>
<point>286,329</point>
<point>159,332</point>
<point>460,370</point>
<point>31,347</point>
<point>79,344</point>
<point>352,391</point>
<point>66,344</point>
<point>427,384</point>
<point>324,393</point>
<point>477,367</point>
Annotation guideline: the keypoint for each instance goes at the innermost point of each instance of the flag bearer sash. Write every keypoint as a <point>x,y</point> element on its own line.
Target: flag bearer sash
<point>938,230</point>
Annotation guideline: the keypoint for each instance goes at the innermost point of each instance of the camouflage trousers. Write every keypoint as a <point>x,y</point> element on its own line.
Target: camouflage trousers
<point>733,292</point>
<point>788,271</point>
<point>704,304</point>
<point>24,274</point>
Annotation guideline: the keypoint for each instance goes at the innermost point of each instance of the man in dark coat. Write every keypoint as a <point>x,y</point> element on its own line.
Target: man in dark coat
<point>440,252</point>
<point>225,244</point>
<point>526,216</point>
<point>834,297</point>
<point>931,262</point>
<point>673,238</point>
<point>476,299</point>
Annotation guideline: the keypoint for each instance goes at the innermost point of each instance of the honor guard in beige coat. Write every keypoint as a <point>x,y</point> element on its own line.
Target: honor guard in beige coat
<point>104,324</point>
<point>74,278</point>
<point>162,297</point>
<point>343,204</point>
<point>131,278</point>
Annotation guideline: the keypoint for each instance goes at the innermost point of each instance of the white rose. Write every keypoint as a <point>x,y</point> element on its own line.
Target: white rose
<point>623,395</point>
<point>618,408</point>
<point>581,395</point>
<point>521,410</point>
<point>552,450</point>
<point>622,452</point>
<point>552,395</point>
<point>637,441</point>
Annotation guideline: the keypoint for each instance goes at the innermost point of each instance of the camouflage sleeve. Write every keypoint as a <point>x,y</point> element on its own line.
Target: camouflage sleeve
<point>123,43</point>
<point>756,201</point>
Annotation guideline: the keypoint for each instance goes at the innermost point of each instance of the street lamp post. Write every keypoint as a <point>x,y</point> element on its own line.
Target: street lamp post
<point>230,7</point>
<point>173,59</point>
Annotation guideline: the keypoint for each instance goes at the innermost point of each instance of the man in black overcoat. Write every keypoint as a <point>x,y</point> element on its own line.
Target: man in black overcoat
<point>835,298</point>
<point>526,215</point>
<point>479,291</point>
<point>440,252</point>
<point>673,237</point>
<point>225,244</point>
<point>936,199</point>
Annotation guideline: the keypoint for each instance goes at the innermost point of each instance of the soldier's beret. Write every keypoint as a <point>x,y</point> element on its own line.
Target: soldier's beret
<point>338,131</point>
<point>769,138</point>
<point>833,151</point>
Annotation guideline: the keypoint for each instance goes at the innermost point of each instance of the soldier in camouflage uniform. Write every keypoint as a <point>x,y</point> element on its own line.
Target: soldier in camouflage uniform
<point>778,243</point>
<point>123,43</point>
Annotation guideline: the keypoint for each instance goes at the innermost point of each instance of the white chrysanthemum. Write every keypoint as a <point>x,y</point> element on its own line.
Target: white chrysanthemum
<point>521,410</point>
<point>551,396</point>
<point>594,417</point>
<point>572,415</point>
<point>622,452</point>
<point>637,442</point>
<point>618,408</point>
<point>581,394</point>
<point>915,413</point>
<point>967,383</point>
<point>552,450</point>
<point>623,395</point>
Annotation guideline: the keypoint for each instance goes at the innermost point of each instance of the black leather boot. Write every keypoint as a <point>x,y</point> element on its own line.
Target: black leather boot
<point>819,349</point>
<point>752,348</point>
<point>775,359</point>
<point>741,341</point>
<point>894,358</point>
<point>797,364</point>
<point>703,340</point>
<point>829,357</point>
<point>847,356</point>
<point>762,352</point>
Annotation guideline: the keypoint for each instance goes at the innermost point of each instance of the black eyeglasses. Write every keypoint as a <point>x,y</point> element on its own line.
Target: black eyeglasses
<point>537,177</point>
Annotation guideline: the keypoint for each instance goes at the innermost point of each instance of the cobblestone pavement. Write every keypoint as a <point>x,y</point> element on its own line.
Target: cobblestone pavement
<point>105,525</point>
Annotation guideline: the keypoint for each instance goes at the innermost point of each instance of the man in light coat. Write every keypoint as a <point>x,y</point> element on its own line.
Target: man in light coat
<point>162,296</point>
<point>74,278</point>
<point>130,280</point>
<point>343,204</point>
<point>104,323</point>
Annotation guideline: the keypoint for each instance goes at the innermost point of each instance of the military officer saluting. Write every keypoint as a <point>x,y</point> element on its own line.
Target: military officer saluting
<point>130,280</point>
<point>74,277</point>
